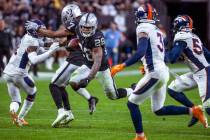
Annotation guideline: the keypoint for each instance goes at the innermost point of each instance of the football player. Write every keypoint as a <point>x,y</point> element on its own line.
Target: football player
<point>93,47</point>
<point>151,51</point>
<point>70,16</point>
<point>16,72</point>
<point>189,45</point>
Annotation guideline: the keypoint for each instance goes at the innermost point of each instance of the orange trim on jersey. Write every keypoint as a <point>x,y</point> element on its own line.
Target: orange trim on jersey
<point>149,11</point>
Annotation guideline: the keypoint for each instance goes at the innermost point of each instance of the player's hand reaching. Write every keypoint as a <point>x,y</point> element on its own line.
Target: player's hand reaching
<point>84,82</point>
<point>29,25</point>
<point>54,47</point>
<point>117,68</point>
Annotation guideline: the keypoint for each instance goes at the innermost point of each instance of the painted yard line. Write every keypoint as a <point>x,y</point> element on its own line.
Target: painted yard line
<point>97,132</point>
<point>49,75</point>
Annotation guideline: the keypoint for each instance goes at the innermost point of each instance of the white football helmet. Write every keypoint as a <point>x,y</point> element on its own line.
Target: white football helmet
<point>70,12</point>
<point>88,24</point>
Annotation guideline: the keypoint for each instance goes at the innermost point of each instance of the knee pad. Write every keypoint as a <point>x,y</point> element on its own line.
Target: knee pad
<point>31,98</point>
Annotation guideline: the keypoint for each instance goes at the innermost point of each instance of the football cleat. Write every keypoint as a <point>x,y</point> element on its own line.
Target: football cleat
<point>61,116</point>
<point>199,114</point>
<point>21,122</point>
<point>192,122</point>
<point>92,104</point>
<point>14,117</point>
<point>68,119</point>
<point>140,138</point>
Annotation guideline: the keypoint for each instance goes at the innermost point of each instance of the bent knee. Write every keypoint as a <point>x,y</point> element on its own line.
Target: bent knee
<point>74,86</point>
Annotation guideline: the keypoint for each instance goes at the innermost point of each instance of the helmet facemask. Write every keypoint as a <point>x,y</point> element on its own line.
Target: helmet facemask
<point>88,25</point>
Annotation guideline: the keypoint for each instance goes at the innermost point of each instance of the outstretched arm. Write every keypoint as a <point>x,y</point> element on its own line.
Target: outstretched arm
<point>173,55</point>
<point>141,50</point>
<point>54,34</point>
<point>34,58</point>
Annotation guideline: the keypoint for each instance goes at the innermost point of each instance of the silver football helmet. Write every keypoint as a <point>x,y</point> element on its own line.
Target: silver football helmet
<point>88,24</point>
<point>70,12</point>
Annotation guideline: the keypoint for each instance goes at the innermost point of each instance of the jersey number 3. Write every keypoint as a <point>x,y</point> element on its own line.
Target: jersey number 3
<point>160,44</point>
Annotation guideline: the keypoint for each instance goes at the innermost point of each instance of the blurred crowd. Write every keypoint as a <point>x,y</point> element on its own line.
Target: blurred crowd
<point>116,19</point>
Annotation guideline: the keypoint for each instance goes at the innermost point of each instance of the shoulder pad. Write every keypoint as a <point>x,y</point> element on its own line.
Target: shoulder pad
<point>144,27</point>
<point>31,41</point>
<point>98,34</point>
<point>182,36</point>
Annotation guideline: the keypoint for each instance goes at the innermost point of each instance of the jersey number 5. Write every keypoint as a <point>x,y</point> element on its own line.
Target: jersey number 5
<point>197,48</point>
<point>160,44</point>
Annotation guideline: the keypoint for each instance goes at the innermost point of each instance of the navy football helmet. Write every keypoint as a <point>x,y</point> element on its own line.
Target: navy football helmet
<point>146,14</point>
<point>34,32</point>
<point>183,23</point>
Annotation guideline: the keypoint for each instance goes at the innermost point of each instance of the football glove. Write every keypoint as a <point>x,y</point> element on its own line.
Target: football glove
<point>84,82</point>
<point>54,47</point>
<point>29,25</point>
<point>142,70</point>
<point>116,69</point>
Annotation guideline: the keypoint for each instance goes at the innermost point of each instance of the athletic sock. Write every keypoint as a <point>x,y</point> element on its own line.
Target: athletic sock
<point>14,106</point>
<point>136,117</point>
<point>65,98</point>
<point>56,95</point>
<point>83,92</point>
<point>25,108</point>
<point>172,110</point>
<point>180,97</point>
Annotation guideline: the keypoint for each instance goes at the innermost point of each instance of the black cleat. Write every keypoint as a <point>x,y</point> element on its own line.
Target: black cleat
<point>192,122</point>
<point>92,104</point>
<point>133,86</point>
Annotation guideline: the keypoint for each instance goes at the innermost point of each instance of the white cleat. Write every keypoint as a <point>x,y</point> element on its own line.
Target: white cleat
<point>62,115</point>
<point>68,119</point>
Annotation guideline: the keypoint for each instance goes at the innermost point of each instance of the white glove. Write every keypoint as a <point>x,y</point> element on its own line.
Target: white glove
<point>54,47</point>
<point>29,25</point>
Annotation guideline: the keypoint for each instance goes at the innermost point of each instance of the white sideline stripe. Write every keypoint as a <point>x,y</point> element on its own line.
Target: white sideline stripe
<point>49,75</point>
<point>96,132</point>
<point>157,122</point>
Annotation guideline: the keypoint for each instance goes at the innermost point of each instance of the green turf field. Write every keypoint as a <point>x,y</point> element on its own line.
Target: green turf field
<point>111,121</point>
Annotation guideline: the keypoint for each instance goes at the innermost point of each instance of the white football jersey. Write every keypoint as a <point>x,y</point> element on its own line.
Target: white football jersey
<point>19,62</point>
<point>154,57</point>
<point>193,53</point>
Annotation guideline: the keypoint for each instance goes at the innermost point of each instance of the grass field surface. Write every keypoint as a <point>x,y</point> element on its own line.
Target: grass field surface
<point>111,121</point>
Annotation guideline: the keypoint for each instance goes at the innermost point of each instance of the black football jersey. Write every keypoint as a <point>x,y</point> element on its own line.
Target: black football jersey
<point>88,43</point>
<point>75,54</point>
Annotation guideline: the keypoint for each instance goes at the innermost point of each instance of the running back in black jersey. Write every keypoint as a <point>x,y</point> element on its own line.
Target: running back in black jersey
<point>87,44</point>
<point>75,54</point>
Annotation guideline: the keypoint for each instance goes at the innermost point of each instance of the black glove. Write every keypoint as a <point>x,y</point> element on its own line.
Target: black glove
<point>84,82</point>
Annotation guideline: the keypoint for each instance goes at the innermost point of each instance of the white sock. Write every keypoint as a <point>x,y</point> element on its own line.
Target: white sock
<point>61,60</point>
<point>14,106</point>
<point>83,92</point>
<point>129,91</point>
<point>60,110</point>
<point>25,108</point>
<point>140,134</point>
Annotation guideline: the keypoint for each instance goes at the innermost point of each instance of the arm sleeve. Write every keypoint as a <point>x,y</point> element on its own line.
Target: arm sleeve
<point>34,58</point>
<point>206,54</point>
<point>173,55</point>
<point>141,50</point>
